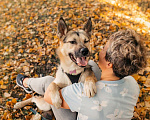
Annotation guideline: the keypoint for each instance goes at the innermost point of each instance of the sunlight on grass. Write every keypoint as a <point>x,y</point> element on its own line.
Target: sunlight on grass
<point>129,12</point>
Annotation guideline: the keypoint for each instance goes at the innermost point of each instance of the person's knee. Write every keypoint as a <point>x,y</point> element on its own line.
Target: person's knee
<point>48,79</point>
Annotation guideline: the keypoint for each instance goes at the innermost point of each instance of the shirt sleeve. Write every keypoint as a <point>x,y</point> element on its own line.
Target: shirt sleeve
<point>73,96</point>
<point>95,69</point>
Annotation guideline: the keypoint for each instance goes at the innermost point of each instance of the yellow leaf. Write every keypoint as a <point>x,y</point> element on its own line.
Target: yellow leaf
<point>70,15</point>
<point>7,50</point>
<point>13,77</point>
<point>143,79</point>
<point>36,75</point>
<point>13,73</point>
<point>136,76</point>
<point>96,17</point>
<point>1,82</point>
<point>96,56</point>
<point>61,11</point>
<point>4,116</point>
<point>147,89</point>
<point>54,68</point>
<point>43,62</point>
<point>3,87</point>
<point>55,36</point>
<point>73,25</point>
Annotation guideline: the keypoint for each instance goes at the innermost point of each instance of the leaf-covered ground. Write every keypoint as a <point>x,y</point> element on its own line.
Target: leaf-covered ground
<point>28,42</point>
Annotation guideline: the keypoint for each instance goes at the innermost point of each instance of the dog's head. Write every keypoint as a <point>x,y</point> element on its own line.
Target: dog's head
<point>75,45</point>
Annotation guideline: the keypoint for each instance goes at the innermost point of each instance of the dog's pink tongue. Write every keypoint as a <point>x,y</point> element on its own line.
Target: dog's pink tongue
<point>82,61</point>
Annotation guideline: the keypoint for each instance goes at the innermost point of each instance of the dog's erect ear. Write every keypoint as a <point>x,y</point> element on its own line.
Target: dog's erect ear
<point>62,28</point>
<point>88,27</point>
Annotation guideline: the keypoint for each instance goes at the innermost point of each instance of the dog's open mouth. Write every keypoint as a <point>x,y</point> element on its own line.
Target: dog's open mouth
<point>80,61</point>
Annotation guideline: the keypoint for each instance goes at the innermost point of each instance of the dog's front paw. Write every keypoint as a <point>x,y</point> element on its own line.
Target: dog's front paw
<point>57,103</point>
<point>90,88</point>
<point>56,100</point>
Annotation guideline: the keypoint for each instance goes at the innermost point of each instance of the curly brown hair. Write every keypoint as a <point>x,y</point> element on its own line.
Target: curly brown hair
<point>126,52</point>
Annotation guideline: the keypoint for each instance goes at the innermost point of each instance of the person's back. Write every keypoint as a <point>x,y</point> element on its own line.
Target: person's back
<point>114,100</point>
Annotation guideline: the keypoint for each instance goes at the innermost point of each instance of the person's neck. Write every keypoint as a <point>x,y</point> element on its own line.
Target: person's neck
<point>109,76</point>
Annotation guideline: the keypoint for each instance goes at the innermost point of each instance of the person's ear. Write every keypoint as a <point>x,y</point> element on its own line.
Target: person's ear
<point>109,65</point>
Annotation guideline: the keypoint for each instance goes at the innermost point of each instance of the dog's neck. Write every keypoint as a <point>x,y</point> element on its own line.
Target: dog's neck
<point>71,68</point>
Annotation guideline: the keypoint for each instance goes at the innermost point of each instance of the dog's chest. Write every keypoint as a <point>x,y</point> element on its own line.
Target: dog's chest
<point>63,80</point>
<point>74,78</point>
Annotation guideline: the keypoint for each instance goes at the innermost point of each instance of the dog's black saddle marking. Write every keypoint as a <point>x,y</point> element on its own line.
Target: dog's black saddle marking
<point>74,78</point>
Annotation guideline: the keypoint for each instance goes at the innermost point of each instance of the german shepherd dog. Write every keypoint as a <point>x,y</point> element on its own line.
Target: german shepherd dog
<point>74,54</point>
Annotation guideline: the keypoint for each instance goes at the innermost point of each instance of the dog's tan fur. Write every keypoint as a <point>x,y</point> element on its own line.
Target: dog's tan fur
<point>82,40</point>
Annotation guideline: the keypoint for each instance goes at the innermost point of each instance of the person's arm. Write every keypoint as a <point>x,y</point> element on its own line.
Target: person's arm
<point>95,69</point>
<point>71,96</point>
<point>47,98</point>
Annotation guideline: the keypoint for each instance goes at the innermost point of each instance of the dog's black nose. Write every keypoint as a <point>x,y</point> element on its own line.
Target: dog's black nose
<point>84,51</point>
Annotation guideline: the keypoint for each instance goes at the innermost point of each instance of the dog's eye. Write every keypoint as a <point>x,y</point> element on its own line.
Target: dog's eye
<point>73,42</point>
<point>86,41</point>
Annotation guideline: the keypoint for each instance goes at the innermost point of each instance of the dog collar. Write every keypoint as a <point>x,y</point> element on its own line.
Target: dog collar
<point>71,75</point>
<point>73,72</point>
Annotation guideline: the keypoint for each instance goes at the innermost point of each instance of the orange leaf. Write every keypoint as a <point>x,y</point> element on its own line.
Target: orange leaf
<point>31,18</point>
<point>14,101</point>
<point>27,96</point>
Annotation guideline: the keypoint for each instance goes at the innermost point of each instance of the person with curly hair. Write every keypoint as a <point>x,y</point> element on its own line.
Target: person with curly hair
<point>117,91</point>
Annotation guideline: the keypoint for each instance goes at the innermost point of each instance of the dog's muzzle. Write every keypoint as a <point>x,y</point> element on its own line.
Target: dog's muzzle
<point>81,57</point>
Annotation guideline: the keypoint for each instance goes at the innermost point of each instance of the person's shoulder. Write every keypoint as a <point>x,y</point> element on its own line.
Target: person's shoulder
<point>130,81</point>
